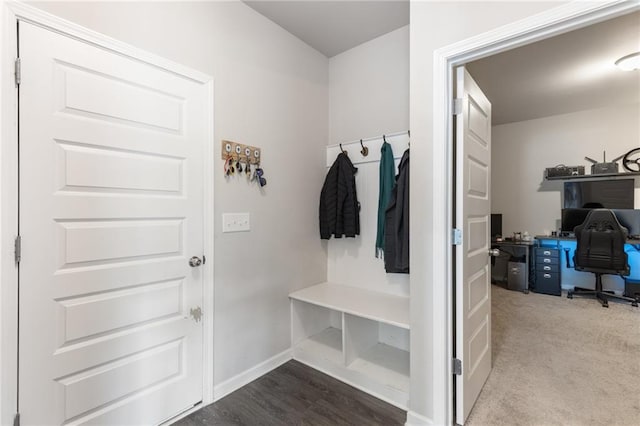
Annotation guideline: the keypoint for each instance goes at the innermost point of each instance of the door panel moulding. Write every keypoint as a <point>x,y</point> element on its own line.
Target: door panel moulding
<point>544,25</point>
<point>13,12</point>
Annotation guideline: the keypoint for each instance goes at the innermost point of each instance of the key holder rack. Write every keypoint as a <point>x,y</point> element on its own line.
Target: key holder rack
<point>246,154</point>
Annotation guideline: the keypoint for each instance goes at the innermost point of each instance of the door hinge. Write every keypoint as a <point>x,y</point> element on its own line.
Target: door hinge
<point>457,106</point>
<point>18,71</point>
<point>17,245</point>
<point>456,236</point>
<point>16,420</point>
<point>456,366</point>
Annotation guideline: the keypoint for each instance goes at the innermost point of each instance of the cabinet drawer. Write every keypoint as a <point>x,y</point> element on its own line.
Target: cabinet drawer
<point>541,260</point>
<point>547,252</point>
<point>548,276</point>
<point>545,268</point>
<point>548,283</point>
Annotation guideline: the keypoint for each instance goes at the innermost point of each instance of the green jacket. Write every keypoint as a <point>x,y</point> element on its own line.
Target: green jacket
<point>387,178</point>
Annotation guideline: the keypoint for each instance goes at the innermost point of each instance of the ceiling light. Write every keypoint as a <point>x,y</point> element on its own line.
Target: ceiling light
<point>629,62</point>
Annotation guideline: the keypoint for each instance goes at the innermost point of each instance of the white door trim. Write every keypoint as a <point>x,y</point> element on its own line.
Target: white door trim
<point>11,13</point>
<point>553,22</point>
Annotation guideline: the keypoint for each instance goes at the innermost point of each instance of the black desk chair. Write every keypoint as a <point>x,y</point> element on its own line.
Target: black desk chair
<point>600,250</point>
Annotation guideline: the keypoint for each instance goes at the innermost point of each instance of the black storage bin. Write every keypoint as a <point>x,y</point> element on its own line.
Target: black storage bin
<point>632,288</point>
<point>499,266</point>
<point>517,276</point>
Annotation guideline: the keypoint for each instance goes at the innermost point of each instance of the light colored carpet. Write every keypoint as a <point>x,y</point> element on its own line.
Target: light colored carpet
<point>558,361</point>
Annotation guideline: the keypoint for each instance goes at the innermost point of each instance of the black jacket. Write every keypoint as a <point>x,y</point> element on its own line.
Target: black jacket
<point>339,207</point>
<point>396,239</point>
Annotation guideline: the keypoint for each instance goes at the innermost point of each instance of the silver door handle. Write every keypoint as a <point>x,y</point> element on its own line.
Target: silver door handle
<point>494,252</point>
<point>195,261</point>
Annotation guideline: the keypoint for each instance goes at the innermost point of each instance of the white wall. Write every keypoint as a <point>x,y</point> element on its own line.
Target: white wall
<point>521,151</point>
<point>434,25</point>
<point>368,96</point>
<point>369,88</point>
<point>271,90</point>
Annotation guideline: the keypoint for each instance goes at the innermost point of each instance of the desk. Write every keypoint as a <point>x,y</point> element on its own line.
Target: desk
<point>631,241</point>
<point>517,249</point>
<point>571,278</point>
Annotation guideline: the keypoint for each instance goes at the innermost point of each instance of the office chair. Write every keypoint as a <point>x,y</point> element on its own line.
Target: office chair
<point>600,250</point>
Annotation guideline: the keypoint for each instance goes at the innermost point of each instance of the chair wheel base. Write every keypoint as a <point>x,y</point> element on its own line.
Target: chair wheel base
<point>602,296</point>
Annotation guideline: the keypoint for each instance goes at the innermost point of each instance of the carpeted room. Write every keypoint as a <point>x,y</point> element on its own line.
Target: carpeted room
<point>559,361</point>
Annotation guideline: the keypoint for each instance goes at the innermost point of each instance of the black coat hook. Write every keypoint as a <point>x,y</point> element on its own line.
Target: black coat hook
<point>384,138</point>
<point>365,150</point>
<point>343,151</point>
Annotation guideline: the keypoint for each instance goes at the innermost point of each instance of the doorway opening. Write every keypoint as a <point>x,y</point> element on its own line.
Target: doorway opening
<point>459,55</point>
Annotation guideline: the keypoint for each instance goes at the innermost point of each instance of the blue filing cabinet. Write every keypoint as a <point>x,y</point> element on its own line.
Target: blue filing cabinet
<point>547,270</point>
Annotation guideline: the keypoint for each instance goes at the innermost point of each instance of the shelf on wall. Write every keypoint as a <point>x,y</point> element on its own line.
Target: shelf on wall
<point>604,175</point>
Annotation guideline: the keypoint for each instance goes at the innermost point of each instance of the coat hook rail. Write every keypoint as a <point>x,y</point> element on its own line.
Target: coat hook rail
<point>390,135</point>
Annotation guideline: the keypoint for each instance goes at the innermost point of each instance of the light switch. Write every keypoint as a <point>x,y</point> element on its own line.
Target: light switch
<point>235,222</point>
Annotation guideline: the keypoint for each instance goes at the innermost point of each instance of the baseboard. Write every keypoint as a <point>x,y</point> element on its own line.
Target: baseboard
<point>238,381</point>
<point>415,419</point>
<point>182,415</point>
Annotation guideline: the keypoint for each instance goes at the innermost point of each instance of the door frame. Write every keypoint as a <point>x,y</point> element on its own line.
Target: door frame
<point>10,13</point>
<point>564,18</point>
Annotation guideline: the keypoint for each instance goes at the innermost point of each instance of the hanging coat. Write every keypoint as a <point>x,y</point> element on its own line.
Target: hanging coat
<point>339,208</point>
<point>396,247</point>
<point>387,172</point>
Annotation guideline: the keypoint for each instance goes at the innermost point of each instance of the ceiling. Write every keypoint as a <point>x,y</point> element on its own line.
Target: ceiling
<point>333,27</point>
<point>568,73</point>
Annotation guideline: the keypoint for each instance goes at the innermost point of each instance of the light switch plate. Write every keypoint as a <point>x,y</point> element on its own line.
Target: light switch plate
<point>235,222</point>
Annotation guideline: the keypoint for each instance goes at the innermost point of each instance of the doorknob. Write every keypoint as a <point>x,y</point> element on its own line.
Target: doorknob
<point>494,252</point>
<point>195,261</point>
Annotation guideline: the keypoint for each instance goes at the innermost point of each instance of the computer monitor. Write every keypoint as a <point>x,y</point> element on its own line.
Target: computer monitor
<point>572,218</point>
<point>630,219</point>
<point>496,225</point>
<point>608,194</point>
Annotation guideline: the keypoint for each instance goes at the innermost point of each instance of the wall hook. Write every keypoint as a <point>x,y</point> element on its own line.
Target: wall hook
<point>365,150</point>
<point>343,151</point>
<point>384,138</point>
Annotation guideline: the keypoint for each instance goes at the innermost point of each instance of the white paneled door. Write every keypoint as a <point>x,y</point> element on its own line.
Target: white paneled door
<point>473,210</point>
<point>111,211</point>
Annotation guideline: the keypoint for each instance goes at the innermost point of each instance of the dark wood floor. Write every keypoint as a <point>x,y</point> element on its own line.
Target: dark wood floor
<point>294,394</point>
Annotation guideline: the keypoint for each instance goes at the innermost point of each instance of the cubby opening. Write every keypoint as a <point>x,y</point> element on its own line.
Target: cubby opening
<point>378,351</point>
<point>316,332</point>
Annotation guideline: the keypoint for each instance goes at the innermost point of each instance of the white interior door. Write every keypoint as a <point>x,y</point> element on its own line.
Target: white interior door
<point>111,210</point>
<point>473,211</point>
